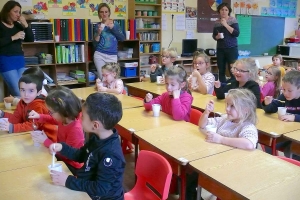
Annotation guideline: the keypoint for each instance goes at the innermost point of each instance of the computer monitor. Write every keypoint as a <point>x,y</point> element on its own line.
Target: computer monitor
<point>189,46</point>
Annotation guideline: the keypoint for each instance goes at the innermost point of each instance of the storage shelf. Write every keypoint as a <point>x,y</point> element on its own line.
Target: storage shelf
<point>126,59</point>
<point>71,83</point>
<point>148,29</point>
<point>122,77</point>
<point>149,17</point>
<point>158,53</point>
<point>40,65</point>
<point>70,63</point>
<point>149,41</point>
<point>146,4</point>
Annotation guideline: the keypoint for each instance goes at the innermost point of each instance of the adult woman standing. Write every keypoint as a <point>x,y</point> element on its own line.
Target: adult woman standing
<point>226,31</point>
<point>106,39</point>
<point>13,30</point>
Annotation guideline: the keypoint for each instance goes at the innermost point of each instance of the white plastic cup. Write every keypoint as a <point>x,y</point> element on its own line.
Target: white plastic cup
<point>221,35</point>
<point>281,111</point>
<point>3,120</point>
<point>158,79</point>
<point>194,82</point>
<point>57,38</point>
<point>36,144</point>
<point>102,26</point>
<point>56,167</point>
<point>225,94</point>
<point>127,35</point>
<point>156,110</point>
<point>211,128</point>
<point>7,105</point>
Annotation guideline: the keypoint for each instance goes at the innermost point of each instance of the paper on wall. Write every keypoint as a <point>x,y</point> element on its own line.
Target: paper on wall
<point>190,35</point>
<point>164,22</point>
<point>180,22</point>
<point>191,23</point>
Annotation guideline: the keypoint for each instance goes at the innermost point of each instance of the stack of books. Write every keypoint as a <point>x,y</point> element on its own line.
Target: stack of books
<point>70,53</point>
<point>42,31</point>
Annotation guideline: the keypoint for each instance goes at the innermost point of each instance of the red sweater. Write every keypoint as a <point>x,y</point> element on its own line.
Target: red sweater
<point>72,134</point>
<point>20,120</point>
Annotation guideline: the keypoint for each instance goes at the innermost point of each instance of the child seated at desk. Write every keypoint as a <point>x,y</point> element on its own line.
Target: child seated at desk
<point>177,100</point>
<point>30,90</point>
<point>111,82</point>
<point>245,72</point>
<point>101,176</point>
<point>236,130</point>
<point>273,85</point>
<point>204,83</point>
<point>277,62</point>
<point>65,112</point>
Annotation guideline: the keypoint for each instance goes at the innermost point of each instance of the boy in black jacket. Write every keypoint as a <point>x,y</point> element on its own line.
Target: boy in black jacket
<point>101,176</point>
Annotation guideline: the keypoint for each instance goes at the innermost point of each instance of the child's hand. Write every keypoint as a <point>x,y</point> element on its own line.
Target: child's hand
<point>9,99</point>
<point>217,84</point>
<point>176,94</point>
<point>58,178</point>
<point>33,115</point>
<point>287,118</point>
<point>38,136</point>
<point>153,67</point>
<point>58,148</point>
<point>148,97</point>
<point>102,89</point>
<point>213,137</point>
<point>210,107</point>
<point>196,73</point>
<point>4,125</point>
<point>268,100</point>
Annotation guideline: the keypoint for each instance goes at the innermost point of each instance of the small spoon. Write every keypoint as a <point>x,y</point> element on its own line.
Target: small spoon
<point>53,157</point>
<point>34,126</point>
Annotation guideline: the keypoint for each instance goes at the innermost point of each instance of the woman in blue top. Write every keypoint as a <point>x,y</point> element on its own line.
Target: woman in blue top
<point>226,31</point>
<point>13,30</point>
<point>106,39</point>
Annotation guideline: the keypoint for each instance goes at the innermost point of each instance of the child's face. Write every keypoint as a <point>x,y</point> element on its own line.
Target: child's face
<point>276,61</point>
<point>269,75</point>
<point>108,76</point>
<point>241,73</point>
<point>54,114</point>
<point>28,92</point>
<point>231,111</point>
<point>166,59</point>
<point>172,84</point>
<point>200,65</point>
<point>290,91</point>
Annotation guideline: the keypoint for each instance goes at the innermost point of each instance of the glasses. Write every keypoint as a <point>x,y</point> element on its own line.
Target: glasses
<point>240,70</point>
<point>51,112</point>
<point>198,64</point>
<point>104,12</point>
<point>166,56</point>
<point>269,73</point>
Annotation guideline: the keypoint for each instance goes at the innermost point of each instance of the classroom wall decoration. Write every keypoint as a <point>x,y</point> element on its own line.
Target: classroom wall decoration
<point>69,9</point>
<point>55,3</point>
<point>93,7</point>
<point>247,7</point>
<point>82,3</point>
<point>40,7</point>
<point>120,10</point>
<point>190,18</point>
<point>280,8</point>
<point>173,6</point>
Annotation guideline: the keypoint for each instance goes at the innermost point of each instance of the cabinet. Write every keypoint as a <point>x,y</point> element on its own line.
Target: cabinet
<point>291,62</point>
<point>149,36</point>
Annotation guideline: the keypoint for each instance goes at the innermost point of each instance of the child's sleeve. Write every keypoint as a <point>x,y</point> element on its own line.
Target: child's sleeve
<point>181,106</point>
<point>119,86</point>
<point>209,82</point>
<point>47,119</point>
<point>265,89</point>
<point>157,100</point>
<point>220,92</point>
<point>249,132</point>
<point>73,153</point>
<point>273,106</point>
<point>110,169</point>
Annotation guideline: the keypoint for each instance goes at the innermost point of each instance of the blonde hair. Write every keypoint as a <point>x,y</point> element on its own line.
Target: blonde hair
<point>250,65</point>
<point>179,72</point>
<point>206,58</point>
<point>171,52</point>
<point>277,56</point>
<point>112,67</point>
<point>277,74</point>
<point>244,102</point>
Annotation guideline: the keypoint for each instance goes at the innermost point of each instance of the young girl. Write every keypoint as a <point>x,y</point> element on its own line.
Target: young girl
<point>204,78</point>
<point>65,112</point>
<point>110,79</point>
<point>168,58</point>
<point>237,129</point>
<point>245,72</point>
<point>177,100</point>
<point>277,62</point>
<point>272,87</point>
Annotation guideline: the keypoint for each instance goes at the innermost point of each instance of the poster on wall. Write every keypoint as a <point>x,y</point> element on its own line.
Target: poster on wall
<point>280,8</point>
<point>40,8</point>
<point>82,3</point>
<point>55,3</point>
<point>173,6</point>
<point>120,10</point>
<point>93,8</point>
<point>69,9</point>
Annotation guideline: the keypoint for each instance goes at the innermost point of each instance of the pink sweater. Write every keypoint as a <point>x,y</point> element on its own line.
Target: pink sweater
<point>179,108</point>
<point>268,89</point>
<point>71,134</point>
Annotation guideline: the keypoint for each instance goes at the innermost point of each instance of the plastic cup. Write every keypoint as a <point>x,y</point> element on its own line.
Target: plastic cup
<point>56,167</point>
<point>221,35</point>
<point>225,94</point>
<point>211,128</point>
<point>281,111</point>
<point>127,35</point>
<point>36,144</point>
<point>158,79</point>
<point>7,105</point>
<point>3,120</point>
<point>57,38</point>
<point>156,110</point>
<point>194,82</point>
<point>102,26</point>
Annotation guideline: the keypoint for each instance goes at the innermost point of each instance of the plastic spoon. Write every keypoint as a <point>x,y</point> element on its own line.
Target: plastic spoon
<point>53,156</point>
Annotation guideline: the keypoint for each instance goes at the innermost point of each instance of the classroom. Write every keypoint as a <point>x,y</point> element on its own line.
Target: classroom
<point>220,142</point>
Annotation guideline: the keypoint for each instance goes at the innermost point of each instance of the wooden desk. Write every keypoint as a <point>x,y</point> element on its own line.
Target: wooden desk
<point>17,151</point>
<point>11,110</point>
<point>200,101</point>
<point>127,101</point>
<point>179,143</point>
<point>294,136</point>
<point>240,174</point>
<point>34,182</point>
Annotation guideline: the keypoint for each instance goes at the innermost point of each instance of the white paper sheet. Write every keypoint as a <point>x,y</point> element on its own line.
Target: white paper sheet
<point>164,22</point>
<point>190,35</point>
<point>180,22</point>
<point>191,23</point>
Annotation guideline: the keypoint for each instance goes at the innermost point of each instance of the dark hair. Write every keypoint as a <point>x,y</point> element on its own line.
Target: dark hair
<point>101,5</point>
<point>30,78</point>
<point>35,71</point>
<point>63,101</point>
<point>180,72</point>
<point>224,5</point>
<point>292,77</point>
<point>105,108</point>
<point>8,6</point>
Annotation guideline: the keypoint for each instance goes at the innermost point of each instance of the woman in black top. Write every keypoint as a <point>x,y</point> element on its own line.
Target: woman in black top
<point>13,30</point>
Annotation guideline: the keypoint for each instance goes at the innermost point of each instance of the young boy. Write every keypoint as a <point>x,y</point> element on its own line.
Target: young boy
<point>30,90</point>
<point>101,175</point>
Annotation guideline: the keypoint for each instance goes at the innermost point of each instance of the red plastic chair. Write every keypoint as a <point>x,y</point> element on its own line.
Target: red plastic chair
<point>195,116</point>
<point>295,162</point>
<point>154,170</point>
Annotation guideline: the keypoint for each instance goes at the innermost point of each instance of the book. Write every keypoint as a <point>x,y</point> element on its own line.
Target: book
<point>58,54</point>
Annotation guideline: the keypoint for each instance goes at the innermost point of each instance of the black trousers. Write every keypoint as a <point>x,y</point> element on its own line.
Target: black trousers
<point>225,57</point>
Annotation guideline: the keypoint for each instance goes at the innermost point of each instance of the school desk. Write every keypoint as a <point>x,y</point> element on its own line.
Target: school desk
<point>6,134</point>
<point>241,174</point>
<point>294,136</point>
<point>10,110</point>
<point>18,151</point>
<point>180,144</point>
<point>127,101</point>
<point>34,182</point>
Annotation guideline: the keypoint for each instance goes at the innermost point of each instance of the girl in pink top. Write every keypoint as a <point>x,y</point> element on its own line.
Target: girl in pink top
<point>64,111</point>
<point>110,79</point>
<point>177,100</point>
<point>272,87</point>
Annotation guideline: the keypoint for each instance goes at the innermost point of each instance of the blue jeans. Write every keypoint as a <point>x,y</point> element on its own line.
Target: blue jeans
<point>11,78</point>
